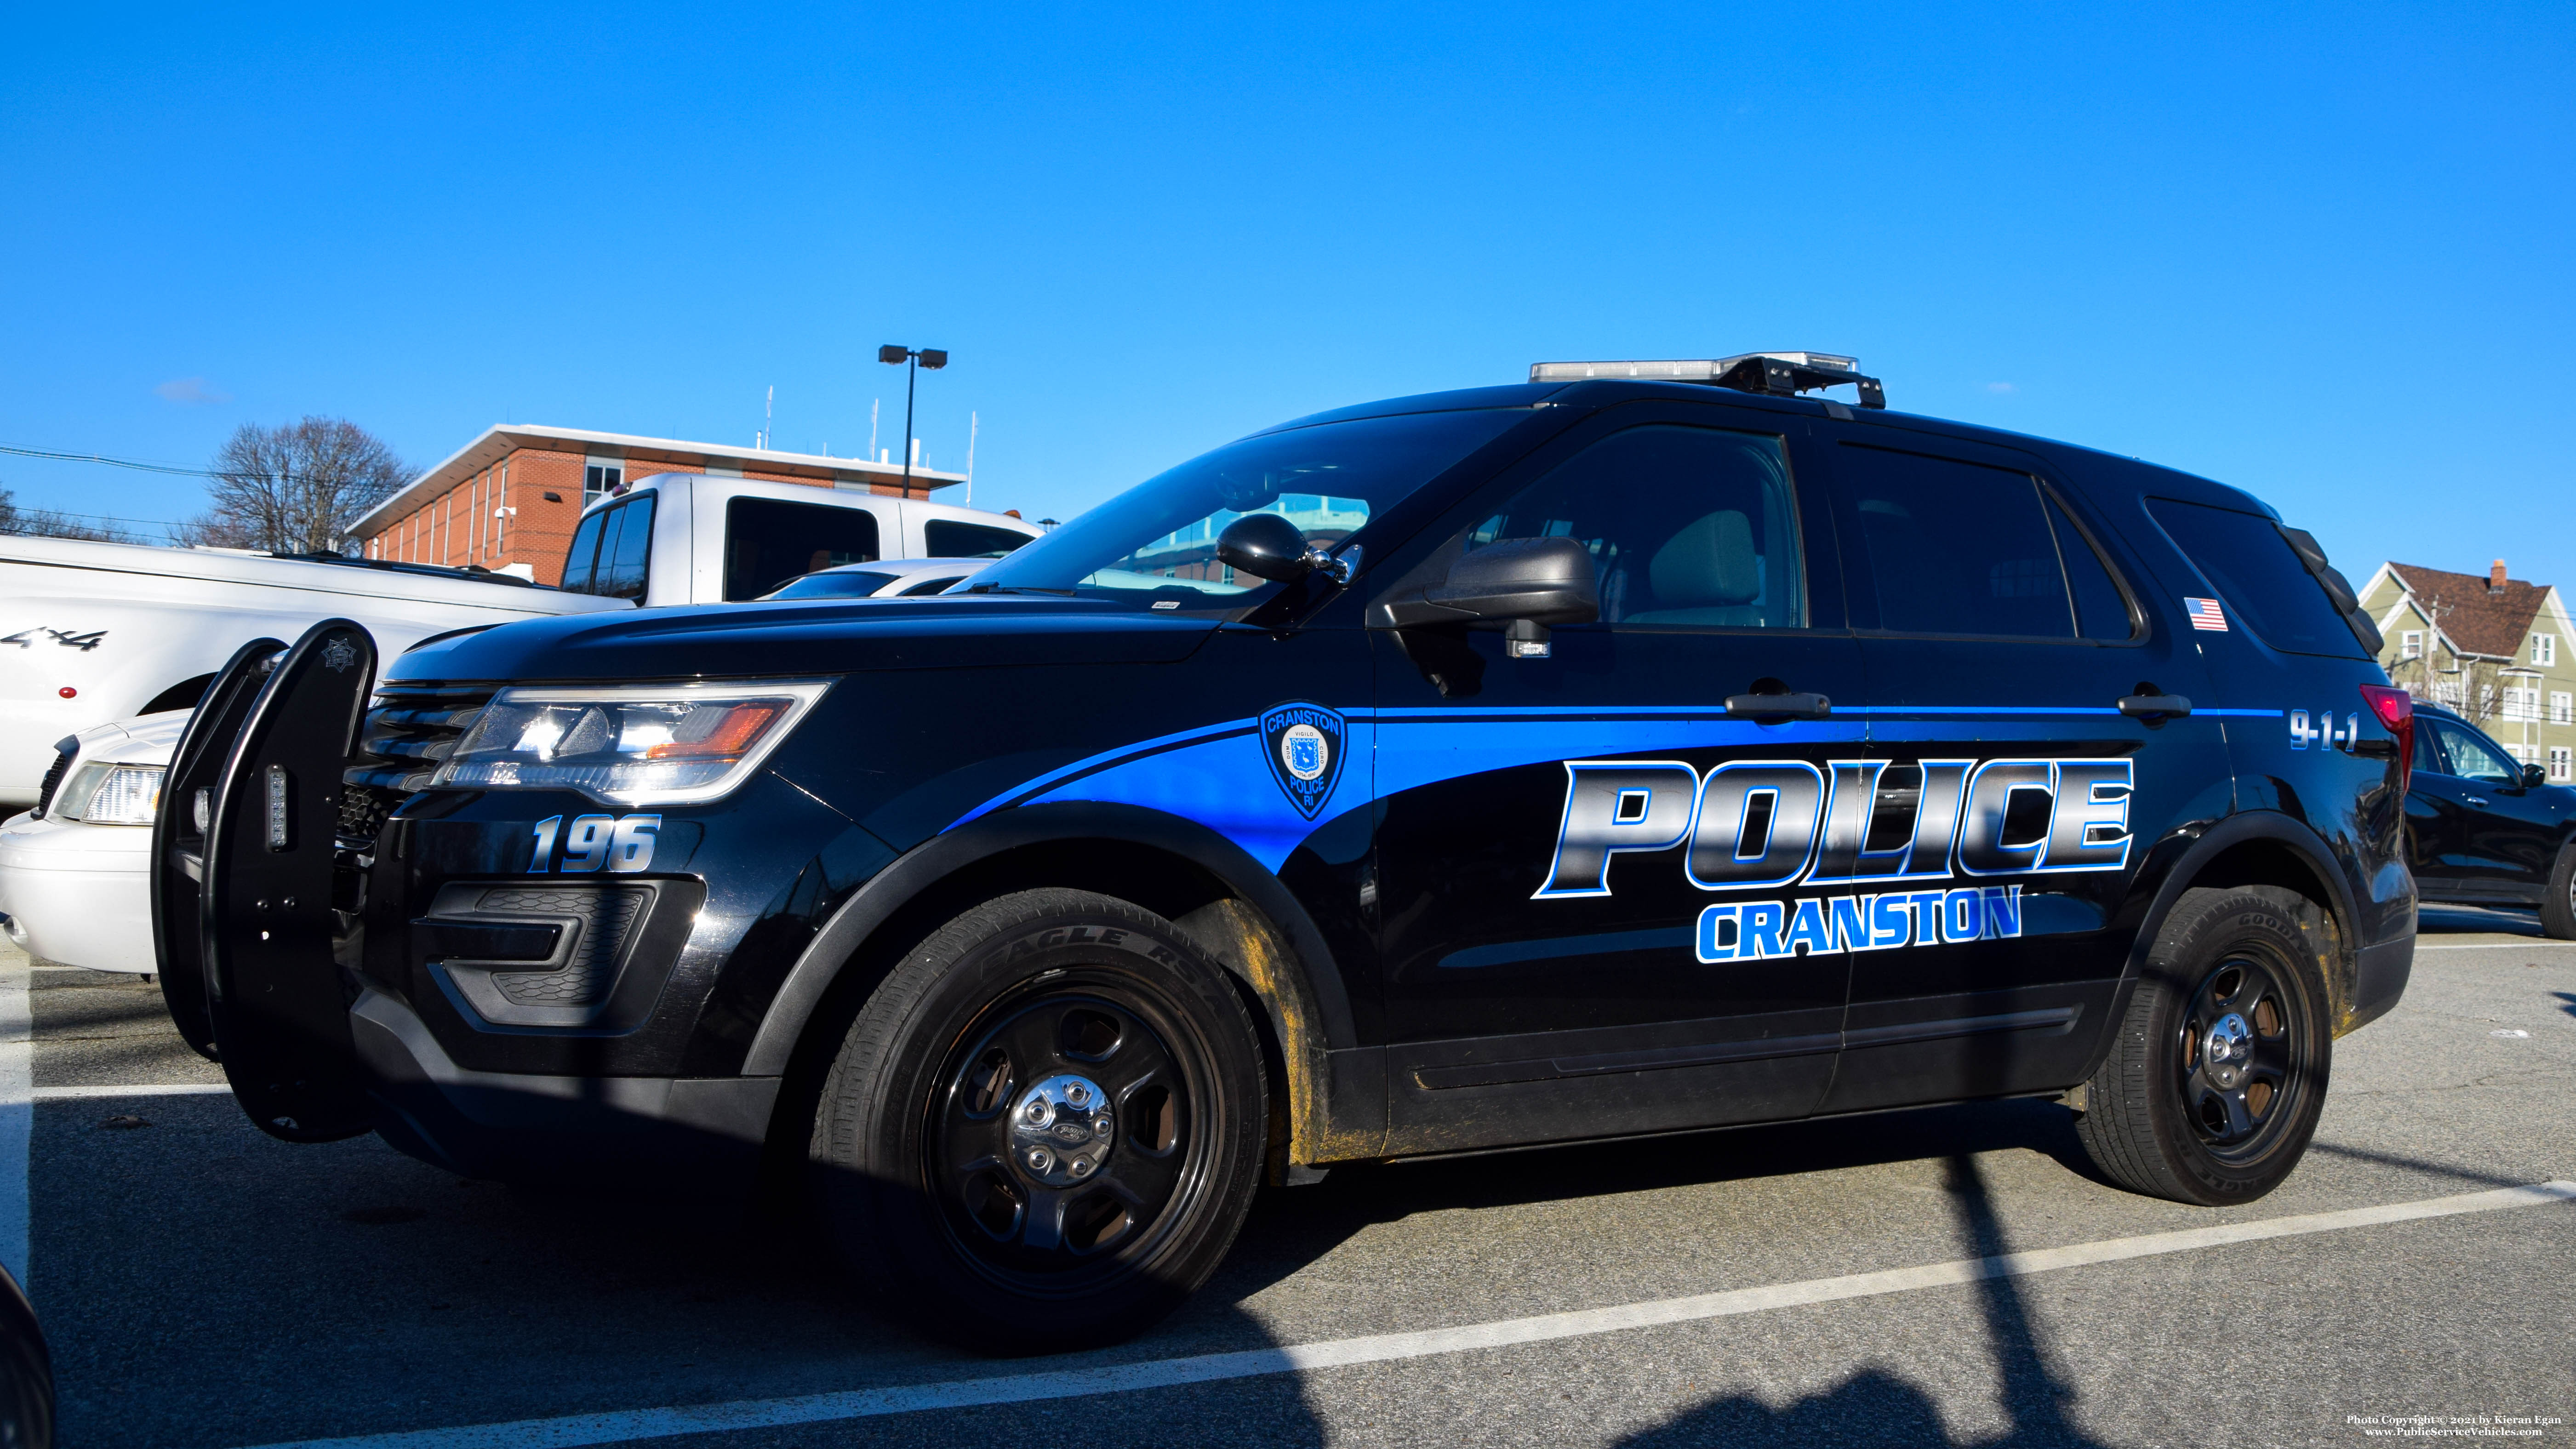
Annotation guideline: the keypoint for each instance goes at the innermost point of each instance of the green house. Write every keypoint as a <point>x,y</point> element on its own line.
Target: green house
<point>2496,649</point>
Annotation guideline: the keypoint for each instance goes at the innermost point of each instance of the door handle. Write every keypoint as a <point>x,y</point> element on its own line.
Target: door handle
<point>2155,706</point>
<point>2475,799</point>
<point>1779,706</point>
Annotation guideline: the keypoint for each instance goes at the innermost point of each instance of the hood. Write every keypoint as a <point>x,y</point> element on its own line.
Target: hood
<point>145,739</point>
<point>796,636</point>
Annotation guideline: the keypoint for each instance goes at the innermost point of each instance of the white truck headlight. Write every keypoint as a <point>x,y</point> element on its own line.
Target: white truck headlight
<point>102,793</point>
<point>671,744</point>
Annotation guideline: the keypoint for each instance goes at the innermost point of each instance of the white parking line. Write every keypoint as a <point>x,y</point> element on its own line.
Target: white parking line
<point>611,1428</point>
<point>143,1089</point>
<point>17,1112</point>
<point>2523,945</point>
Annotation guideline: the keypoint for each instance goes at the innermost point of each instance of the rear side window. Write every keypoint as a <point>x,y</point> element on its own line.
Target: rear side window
<point>2258,577</point>
<point>768,542</point>
<point>1960,548</point>
<point>947,538</point>
<point>932,586</point>
<point>2101,610</point>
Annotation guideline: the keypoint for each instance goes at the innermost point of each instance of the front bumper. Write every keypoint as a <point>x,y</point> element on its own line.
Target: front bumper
<point>78,894</point>
<point>686,1130</point>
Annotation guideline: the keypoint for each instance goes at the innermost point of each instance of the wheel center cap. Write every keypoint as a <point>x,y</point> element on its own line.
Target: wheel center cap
<point>1062,1130</point>
<point>2229,1043</point>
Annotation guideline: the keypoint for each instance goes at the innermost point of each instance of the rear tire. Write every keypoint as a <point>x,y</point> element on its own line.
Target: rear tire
<point>2558,901</point>
<point>2215,1083</point>
<point>1044,1128</point>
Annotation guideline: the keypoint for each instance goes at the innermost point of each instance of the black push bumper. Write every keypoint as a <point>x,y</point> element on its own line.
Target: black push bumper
<point>697,1130</point>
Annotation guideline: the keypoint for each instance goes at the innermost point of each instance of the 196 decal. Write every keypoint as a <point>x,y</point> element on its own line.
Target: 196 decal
<point>619,844</point>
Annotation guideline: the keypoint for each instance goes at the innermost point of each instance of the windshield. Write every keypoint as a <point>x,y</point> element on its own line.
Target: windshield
<point>1156,542</point>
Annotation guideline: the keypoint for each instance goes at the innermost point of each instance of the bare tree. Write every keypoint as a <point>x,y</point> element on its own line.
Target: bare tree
<point>294,489</point>
<point>49,523</point>
<point>2474,685</point>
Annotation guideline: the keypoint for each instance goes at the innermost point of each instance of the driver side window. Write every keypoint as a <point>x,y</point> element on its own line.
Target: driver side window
<point>1686,526</point>
<point>2472,758</point>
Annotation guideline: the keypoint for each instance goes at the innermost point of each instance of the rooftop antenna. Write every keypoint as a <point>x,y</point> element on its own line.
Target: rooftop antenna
<point>768,409</point>
<point>970,459</point>
<point>873,404</point>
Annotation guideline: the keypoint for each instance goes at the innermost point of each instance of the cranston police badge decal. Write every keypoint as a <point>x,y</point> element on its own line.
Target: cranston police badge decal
<point>1304,745</point>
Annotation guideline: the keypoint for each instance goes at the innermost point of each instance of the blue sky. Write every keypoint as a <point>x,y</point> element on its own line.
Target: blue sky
<point>2323,254</point>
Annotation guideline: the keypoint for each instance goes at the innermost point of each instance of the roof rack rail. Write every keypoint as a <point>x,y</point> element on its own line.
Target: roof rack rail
<point>1775,374</point>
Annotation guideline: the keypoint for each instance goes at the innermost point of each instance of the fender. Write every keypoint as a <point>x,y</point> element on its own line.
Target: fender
<point>1311,968</point>
<point>2234,830</point>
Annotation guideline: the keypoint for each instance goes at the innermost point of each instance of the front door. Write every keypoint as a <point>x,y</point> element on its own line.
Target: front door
<point>2478,831</point>
<point>1585,862</point>
<point>2008,800</point>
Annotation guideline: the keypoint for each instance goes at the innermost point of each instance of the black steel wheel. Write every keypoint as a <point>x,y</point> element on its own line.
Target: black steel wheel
<point>2214,1084</point>
<point>1043,1129</point>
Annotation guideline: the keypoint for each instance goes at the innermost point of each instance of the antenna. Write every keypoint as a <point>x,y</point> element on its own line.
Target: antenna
<point>970,458</point>
<point>873,404</point>
<point>768,410</point>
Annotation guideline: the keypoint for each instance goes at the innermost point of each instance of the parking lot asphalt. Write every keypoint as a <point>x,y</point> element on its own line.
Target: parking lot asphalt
<point>204,1286</point>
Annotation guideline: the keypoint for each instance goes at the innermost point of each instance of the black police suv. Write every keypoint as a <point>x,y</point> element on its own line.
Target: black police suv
<point>2485,829</point>
<point>1606,755</point>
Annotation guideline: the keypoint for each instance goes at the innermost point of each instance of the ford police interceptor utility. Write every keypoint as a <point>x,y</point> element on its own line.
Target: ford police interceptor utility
<point>1642,749</point>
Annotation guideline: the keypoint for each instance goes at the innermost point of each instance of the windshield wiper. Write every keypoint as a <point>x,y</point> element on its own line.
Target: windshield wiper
<point>1017,589</point>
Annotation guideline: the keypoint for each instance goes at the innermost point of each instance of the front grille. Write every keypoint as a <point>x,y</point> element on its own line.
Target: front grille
<point>409,733</point>
<point>63,754</point>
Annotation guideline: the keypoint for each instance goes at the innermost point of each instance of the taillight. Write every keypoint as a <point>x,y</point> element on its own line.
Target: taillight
<point>2395,709</point>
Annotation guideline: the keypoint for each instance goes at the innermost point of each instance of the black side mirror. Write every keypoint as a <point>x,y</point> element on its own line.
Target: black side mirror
<point>1266,546</point>
<point>2534,775</point>
<point>1520,585</point>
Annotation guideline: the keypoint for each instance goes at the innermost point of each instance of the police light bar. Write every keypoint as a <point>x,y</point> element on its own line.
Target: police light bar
<point>1777,374</point>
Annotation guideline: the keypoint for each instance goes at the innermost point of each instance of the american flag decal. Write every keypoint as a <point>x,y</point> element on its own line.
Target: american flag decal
<point>2205,614</point>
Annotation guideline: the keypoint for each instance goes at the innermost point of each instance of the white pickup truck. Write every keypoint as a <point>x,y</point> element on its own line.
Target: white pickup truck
<point>92,633</point>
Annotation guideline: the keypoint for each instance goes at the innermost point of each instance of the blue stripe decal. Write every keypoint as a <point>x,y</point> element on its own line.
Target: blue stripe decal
<point>1667,938</point>
<point>1217,775</point>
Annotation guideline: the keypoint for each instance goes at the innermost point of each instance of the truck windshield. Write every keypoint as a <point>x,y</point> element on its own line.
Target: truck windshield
<point>1156,542</point>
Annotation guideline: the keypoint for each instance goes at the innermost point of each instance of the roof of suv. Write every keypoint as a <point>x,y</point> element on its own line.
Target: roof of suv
<point>1607,392</point>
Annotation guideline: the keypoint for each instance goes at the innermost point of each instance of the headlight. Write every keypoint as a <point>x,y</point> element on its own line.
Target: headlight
<point>666,744</point>
<point>101,793</point>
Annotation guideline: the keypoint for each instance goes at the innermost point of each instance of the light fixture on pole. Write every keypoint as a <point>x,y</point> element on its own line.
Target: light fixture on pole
<point>911,360</point>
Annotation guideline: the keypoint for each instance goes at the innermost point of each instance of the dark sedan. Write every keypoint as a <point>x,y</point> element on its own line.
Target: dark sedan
<point>2484,828</point>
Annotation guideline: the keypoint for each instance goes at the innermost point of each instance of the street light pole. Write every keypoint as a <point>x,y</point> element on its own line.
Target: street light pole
<point>912,359</point>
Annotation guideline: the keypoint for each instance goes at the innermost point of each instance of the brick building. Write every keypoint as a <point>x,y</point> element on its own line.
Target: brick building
<point>508,501</point>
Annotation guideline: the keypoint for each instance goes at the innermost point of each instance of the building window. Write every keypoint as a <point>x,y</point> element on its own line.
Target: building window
<point>2544,649</point>
<point>2562,762</point>
<point>2447,692</point>
<point>2521,704</point>
<point>2411,644</point>
<point>598,480</point>
<point>2562,707</point>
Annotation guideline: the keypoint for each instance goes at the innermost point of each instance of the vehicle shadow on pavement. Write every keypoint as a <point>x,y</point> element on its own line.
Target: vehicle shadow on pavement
<point>1291,1228</point>
<point>1874,1406</point>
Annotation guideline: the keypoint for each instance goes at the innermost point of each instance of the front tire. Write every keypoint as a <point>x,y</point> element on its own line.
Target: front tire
<point>2215,1084</point>
<point>2558,902</point>
<point>1044,1128</point>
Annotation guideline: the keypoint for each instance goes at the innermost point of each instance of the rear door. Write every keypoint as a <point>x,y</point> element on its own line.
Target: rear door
<point>2007,801</point>
<point>1588,869</point>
